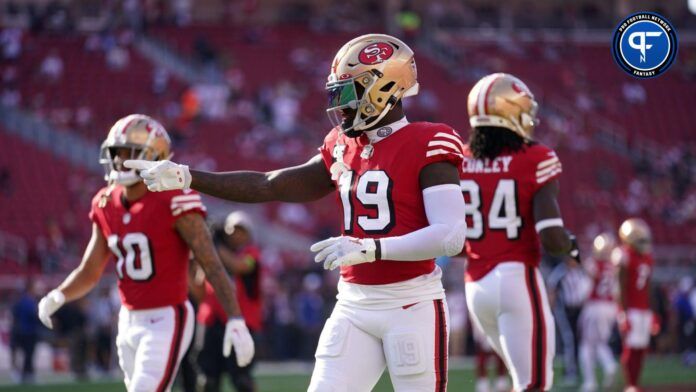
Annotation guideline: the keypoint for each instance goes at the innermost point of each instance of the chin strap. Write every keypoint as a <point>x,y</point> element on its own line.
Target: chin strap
<point>372,123</point>
<point>364,126</point>
<point>356,130</point>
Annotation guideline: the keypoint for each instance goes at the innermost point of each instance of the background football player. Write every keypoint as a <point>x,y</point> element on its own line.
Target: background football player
<point>598,316</point>
<point>510,186</point>
<point>635,264</point>
<point>569,287</point>
<point>150,236</point>
<point>242,259</point>
<point>398,187</point>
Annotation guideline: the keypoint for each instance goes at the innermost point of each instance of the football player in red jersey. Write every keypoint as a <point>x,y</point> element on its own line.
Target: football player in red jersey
<point>599,315</point>
<point>397,184</point>
<point>150,234</point>
<point>242,259</point>
<point>510,186</point>
<point>635,263</point>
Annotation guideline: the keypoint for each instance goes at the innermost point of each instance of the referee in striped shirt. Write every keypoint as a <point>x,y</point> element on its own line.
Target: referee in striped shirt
<point>569,286</point>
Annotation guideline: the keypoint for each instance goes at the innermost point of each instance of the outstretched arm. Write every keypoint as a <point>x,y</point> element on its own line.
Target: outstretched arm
<point>303,183</point>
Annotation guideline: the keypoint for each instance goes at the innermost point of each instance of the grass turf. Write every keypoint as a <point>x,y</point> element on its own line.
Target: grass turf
<point>660,374</point>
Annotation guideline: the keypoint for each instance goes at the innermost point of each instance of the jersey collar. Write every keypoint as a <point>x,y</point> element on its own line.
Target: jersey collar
<point>375,135</point>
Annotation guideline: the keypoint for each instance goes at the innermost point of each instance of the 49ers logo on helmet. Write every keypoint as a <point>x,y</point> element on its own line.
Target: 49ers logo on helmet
<point>520,89</point>
<point>376,53</point>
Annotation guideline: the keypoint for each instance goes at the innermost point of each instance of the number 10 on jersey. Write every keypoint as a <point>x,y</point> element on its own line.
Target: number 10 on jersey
<point>136,246</point>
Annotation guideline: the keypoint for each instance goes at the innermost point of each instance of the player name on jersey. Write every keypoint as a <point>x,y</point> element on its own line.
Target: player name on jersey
<point>497,165</point>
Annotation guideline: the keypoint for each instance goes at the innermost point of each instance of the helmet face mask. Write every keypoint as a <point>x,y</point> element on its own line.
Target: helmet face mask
<point>529,120</point>
<point>349,105</point>
<point>643,245</point>
<point>112,158</point>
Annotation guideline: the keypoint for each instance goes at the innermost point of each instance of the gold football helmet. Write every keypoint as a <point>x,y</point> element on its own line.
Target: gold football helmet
<point>635,233</point>
<point>603,245</point>
<point>502,100</point>
<point>143,137</point>
<point>369,75</point>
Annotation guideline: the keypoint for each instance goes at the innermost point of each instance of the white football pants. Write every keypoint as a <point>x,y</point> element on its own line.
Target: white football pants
<point>511,307</point>
<point>640,322</point>
<point>151,344</point>
<point>597,320</point>
<point>357,344</point>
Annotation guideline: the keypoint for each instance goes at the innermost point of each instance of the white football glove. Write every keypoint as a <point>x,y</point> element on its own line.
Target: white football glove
<point>161,175</point>
<point>344,251</point>
<point>49,305</point>
<point>237,335</point>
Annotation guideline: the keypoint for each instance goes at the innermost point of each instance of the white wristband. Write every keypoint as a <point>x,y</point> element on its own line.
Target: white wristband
<point>546,223</point>
<point>57,296</point>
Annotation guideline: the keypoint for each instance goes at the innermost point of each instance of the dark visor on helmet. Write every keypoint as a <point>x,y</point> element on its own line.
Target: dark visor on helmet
<point>341,94</point>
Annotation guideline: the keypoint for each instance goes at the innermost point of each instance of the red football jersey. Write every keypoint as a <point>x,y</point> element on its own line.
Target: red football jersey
<point>151,258</point>
<point>603,280</point>
<point>248,295</point>
<point>380,195</point>
<point>499,196</point>
<point>638,270</point>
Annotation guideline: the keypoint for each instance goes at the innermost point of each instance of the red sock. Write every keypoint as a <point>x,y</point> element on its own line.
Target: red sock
<point>481,357</point>
<point>632,363</point>
<point>502,370</point>
<point>637,363</point>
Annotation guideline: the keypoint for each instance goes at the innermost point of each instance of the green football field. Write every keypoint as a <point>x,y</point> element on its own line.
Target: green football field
<point>660,374</point>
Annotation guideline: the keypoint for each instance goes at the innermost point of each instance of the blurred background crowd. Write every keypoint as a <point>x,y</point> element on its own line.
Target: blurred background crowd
<point>240,85</point>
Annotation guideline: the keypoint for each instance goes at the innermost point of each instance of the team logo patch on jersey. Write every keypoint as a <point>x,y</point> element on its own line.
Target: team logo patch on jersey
<point>126,218</point>
<point>376,53</point>
<point>645,44</point>
<point>384,132</point>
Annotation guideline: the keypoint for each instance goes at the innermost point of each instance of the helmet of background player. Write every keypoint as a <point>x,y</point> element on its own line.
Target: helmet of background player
<point>603,245</point>
<point>502,100</point>
<point>368,76</point>
<point>239,228</point>
<point>635,233</point>
<point>238,219</point>
<point>142,137</point>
